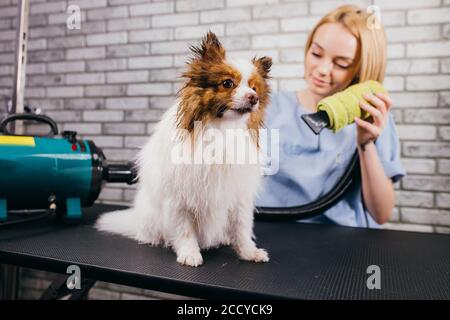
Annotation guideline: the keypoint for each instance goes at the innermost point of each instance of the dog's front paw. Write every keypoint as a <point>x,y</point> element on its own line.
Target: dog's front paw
<point>192,259</point>
<point>254,255</point>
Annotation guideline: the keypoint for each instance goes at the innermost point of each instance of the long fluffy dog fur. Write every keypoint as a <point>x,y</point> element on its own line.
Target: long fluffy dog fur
<point>190,207</point>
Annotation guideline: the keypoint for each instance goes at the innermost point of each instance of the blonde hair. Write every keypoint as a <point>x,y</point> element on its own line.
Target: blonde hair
<point>371,51</point>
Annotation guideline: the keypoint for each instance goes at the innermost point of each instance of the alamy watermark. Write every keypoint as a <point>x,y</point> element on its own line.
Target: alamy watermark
<point>211,146</point>
<point>374,20</point>
<point>74,280</point>
<point>374,280</point>
<point>73,22</point>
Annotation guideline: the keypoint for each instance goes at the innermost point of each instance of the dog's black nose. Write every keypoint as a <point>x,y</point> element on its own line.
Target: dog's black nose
<point>252,98</point>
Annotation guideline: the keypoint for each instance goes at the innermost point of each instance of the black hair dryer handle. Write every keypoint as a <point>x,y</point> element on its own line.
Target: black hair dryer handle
<point>26,116</point>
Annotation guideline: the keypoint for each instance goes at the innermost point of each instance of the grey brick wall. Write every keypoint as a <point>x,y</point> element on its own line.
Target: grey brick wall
<point>112,79</point>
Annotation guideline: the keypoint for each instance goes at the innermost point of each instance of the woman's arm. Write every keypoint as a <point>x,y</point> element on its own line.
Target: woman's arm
<point>377,189</point>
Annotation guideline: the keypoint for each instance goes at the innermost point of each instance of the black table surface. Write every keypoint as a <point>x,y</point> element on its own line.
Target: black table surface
<point>307,261</point>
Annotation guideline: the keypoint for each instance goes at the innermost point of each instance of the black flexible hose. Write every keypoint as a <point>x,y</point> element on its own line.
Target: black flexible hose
<point>46,213</point>
<point>316,207</point>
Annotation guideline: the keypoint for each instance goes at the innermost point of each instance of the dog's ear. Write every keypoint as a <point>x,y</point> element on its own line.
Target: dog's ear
<point>263,65</point>
<point>210,49</point>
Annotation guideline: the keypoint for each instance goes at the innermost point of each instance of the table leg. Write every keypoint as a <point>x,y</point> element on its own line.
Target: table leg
<point>58,289</point>
<point>9,282</point>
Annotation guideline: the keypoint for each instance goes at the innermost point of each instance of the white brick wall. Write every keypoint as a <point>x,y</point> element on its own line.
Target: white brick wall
<point>112,79</point>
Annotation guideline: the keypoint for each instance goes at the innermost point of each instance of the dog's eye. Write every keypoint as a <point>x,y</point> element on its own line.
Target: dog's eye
<point>228,83</point>
<point>254,89</point>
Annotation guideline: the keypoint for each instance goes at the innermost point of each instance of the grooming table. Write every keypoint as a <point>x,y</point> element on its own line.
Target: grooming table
<point>307,261</point>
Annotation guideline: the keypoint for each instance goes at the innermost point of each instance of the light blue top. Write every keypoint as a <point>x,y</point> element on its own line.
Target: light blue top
<point>309,165</point>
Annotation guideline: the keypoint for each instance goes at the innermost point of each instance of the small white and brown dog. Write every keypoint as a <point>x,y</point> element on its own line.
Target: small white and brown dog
<point>190,206</point>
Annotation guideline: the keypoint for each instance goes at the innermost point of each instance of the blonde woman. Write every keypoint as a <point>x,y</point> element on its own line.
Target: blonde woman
<point>341,50</point>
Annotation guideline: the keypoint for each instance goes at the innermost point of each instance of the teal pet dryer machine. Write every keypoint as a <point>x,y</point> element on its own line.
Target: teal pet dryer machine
<point>52,173</point>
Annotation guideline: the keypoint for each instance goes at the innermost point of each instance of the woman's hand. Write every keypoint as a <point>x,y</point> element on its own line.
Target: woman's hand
<point>368,130</point>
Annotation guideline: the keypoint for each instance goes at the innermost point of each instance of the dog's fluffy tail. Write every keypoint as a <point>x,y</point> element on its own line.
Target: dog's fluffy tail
<point>121,222</point>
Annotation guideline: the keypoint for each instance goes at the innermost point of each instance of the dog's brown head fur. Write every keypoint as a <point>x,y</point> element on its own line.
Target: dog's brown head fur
<point>212,84</point>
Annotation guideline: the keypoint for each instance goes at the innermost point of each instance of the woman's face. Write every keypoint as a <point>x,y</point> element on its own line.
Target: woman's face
<point>330,61</point>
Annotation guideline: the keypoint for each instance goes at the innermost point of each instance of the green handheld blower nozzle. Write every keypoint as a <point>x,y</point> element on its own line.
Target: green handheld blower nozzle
<point>340,109</point>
